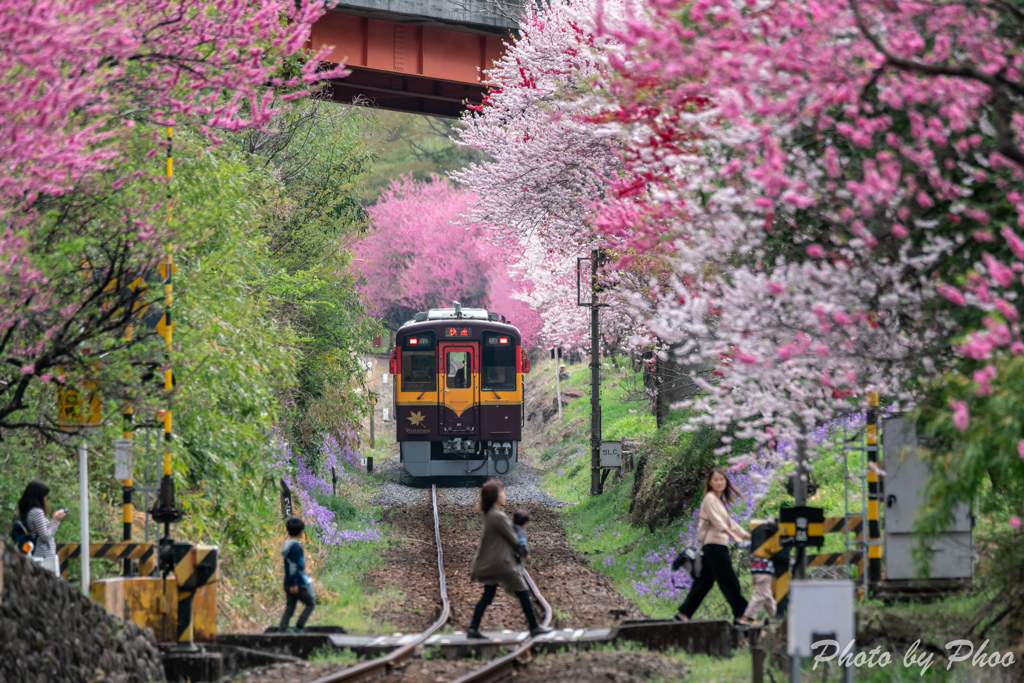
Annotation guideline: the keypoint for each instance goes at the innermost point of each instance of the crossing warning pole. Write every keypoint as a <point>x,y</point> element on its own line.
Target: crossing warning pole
<point>874,492</point>
<point>800,482</point>
<point>127,485</point>
<point>164,510</point>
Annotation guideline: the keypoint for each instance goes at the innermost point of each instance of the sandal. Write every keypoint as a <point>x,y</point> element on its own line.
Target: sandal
<point>679,616</point>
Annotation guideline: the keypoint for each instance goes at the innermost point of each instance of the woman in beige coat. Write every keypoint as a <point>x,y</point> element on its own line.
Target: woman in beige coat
<point>495,561</point>
<point>714,529</point>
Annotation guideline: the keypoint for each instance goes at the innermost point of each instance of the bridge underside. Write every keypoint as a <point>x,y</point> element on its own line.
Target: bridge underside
<point>402,92</point>
<point>405,66</point>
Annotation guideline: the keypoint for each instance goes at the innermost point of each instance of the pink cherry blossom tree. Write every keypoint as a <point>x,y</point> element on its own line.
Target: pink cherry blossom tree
<point>421,255</point>
<point>830,178</point>
<point>549,166</point>
<point>85,90</point>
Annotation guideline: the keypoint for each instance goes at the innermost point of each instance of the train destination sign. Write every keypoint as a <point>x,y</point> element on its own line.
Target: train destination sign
<point>456,331</point>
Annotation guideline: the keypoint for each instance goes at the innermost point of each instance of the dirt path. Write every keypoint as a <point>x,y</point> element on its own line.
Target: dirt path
<point>411,567</point>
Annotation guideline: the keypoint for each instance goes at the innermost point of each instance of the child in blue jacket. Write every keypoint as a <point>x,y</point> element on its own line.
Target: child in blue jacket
<point>298,587</point>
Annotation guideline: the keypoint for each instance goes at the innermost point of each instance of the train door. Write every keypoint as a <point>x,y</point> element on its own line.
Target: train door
<point>460,391</point>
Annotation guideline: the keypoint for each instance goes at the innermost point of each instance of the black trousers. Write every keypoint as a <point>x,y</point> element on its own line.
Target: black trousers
<point>488,596</point>
<point>716,566</point>
<point>305,596</point>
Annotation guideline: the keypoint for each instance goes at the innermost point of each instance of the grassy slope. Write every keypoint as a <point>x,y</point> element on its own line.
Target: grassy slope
<point>599,527</point>
<point>347,600</point>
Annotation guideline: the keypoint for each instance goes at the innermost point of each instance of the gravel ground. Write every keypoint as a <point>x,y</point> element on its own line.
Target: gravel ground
<point>522,485</point>
<point>585,666</point>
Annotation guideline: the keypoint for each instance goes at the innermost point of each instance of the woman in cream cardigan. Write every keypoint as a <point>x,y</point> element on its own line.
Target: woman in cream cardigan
<point>714,529</point>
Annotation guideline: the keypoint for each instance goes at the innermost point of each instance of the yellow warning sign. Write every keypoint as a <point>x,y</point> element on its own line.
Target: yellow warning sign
<point>165,330</point>
<point>69,408</point>
<point>162,267</point>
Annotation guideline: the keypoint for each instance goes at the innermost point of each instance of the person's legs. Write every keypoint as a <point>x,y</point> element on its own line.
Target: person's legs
<point>716,557</point>
<point>701,585</point>
<point>289,610</point>
<point>762,597</point>
<point>770,605</point>
<point>485,600</point>
<point>309,600</point>
<point>527,604</point>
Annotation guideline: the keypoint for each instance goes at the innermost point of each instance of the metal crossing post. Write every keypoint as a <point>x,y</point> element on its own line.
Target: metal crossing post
<point>127,487</point>
<point>800,481</point>
<point>874,492</point>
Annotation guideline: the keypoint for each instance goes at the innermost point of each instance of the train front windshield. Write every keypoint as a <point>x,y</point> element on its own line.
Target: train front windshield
<point>499,362</point>
<point>418,365</point>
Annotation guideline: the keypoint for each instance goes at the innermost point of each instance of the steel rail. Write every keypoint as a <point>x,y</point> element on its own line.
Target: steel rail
<point>382,666</point>
<point>501,668</point>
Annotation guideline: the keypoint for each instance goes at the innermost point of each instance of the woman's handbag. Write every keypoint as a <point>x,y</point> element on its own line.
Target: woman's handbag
<point>691,558</point>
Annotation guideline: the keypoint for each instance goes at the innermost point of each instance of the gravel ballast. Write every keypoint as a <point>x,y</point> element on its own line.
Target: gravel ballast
<point>522,485</point>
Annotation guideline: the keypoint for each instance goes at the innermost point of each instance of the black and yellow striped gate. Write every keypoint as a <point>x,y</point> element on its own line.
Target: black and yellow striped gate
<point>832,525</point>
<point>145,553</point>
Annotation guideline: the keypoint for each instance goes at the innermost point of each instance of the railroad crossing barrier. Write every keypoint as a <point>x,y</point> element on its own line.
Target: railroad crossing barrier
<point>145,553</point>
<point>832,525</point>
<point>180,609</point>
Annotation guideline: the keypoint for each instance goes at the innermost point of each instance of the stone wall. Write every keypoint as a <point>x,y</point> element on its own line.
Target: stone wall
<point>50,632</point>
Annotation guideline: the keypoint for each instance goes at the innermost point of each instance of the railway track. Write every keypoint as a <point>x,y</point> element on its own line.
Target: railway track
<point>500,668</point>
<point>399,657</point>
<point>495,670</point>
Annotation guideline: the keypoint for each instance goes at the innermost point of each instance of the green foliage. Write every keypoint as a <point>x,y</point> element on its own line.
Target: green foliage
<point>343,599</point>
<point>343,510</point>
<point>982,463</point>
<point>233,359</point>
<point>229,359</point>
<point>319,155</point>
<point>328,654</point>
<point>409,144</point>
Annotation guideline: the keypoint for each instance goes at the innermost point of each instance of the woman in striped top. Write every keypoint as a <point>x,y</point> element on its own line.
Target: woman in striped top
<point>33,509</point>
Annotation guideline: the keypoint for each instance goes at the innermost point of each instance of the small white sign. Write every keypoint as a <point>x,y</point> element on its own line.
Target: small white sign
<point>122,459</point>
<point>810,624</point>
<point>384,379</point>
<point>385,415</point>
<point>611,454</point>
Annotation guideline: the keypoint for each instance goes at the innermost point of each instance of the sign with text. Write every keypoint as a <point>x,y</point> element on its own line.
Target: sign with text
<point>611,454</point>
<point>803,525</point>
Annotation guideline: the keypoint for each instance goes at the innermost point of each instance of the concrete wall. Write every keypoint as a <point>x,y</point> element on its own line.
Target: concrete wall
<point>49,632</point>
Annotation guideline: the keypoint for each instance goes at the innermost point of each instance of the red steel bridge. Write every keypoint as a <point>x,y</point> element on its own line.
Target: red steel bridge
<point>420,56</point>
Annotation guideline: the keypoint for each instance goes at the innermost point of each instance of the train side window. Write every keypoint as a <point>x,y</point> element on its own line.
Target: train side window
<point>459,370</point>
<point>499,363</point>
<point>418,365</point>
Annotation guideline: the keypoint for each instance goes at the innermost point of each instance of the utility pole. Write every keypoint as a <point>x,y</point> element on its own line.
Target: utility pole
<point>595,365</point>
<point>556,353</point>
<point>595,380</point>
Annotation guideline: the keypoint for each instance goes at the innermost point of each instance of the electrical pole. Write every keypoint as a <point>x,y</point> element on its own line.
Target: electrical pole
<point>556,353</point>
<point>595,381</point>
